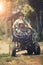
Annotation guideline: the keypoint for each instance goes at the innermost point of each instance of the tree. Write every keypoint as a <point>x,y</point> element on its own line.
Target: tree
<point>38,6</point>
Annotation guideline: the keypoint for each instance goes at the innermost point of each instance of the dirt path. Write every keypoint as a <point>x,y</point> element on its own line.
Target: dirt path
<point>4,48</point>
<point>24,60</point>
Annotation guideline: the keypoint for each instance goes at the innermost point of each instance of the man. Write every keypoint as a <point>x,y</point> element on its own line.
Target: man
<point>21,20</point>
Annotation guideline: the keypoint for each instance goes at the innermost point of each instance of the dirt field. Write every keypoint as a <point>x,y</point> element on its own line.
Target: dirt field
<point>27,60</point>
<point>20,59</point>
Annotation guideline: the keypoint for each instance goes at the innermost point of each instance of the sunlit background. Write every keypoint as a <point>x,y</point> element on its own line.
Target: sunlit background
<point>5,7</point>
<point>2,8</point>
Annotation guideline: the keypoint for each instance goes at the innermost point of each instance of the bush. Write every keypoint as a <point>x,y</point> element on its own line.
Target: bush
<point>35,37</point>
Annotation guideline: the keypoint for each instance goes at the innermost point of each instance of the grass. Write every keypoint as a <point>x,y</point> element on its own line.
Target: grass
<point>7,58</point>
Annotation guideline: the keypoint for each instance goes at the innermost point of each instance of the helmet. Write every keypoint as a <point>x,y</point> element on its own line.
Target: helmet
<point>21,14</point>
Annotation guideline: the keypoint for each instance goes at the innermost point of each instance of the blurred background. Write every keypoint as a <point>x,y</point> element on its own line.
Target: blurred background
<point>9,12</point>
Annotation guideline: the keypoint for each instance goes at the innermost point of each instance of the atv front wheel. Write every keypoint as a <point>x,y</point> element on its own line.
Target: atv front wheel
<point>30,50</point>
<point>36,49</point>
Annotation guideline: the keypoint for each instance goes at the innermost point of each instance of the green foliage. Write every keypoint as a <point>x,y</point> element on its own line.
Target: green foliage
<point>21,2</point>
<point>26,9</point>
<point>35,37</point>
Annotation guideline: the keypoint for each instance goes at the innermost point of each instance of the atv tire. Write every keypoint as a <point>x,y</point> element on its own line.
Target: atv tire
<point>30,50</point>
<point>36,49</point>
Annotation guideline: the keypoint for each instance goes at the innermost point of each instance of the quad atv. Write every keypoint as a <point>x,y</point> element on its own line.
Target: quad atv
<point>23,41</point>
